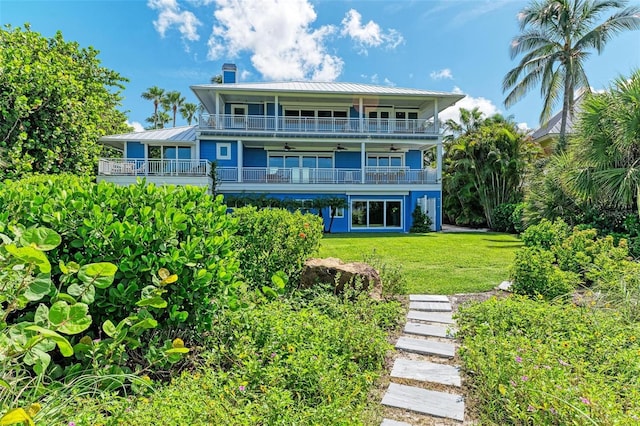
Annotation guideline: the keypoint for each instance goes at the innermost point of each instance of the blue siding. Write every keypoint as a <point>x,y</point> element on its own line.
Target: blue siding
<point>353,112</point>
<point>254,157</point>
<point>413,201</point>
<point>135,150</point>
<point>228,77</point>
<point>347,160</point>
<point>413,159</point>
<point>208,150</point>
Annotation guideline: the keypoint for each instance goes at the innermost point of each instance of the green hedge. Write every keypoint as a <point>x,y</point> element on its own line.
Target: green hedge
<point>272,239</point>
<point>140,228</point>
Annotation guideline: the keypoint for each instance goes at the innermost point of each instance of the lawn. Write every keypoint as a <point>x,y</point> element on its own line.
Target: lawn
<point>441,263</point>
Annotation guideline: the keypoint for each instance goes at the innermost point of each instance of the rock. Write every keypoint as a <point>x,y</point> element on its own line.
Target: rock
<point>335,271</point>
<point>504,286</point>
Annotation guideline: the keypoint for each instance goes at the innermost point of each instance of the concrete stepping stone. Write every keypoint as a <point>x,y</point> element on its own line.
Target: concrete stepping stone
<point>429,330</point>
<point>430,306</point>
<point>425,401</point>
<point>388,422</point>
<point>441,317</point>
<point>426,371</point>
<point>428,298</point>
<point>427,347</point>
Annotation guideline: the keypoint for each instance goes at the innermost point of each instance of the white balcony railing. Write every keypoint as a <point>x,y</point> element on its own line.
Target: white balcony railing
<point>300,175</point>
<point>141,167</point>
<point>266,175</point>
<point>260,123</point>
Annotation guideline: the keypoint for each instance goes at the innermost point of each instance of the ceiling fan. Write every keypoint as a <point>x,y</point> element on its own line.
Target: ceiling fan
<point>394,148</point>
<point>340,147</point>
<point>287,147</point>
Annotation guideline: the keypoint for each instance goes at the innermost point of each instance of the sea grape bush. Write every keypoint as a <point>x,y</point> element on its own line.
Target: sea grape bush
<point>272,240</point>
<point>142,228</point>
<point>46,327</point>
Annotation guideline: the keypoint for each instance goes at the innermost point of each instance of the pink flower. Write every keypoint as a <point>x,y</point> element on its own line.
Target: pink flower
<point>72,423</point>
<point>561,362</point>
<point>518,359</point>
<point>530,408</point>
<point>241,388</point>
<point>585,400</point>
<point>525,378</point>
<point>553,411</point>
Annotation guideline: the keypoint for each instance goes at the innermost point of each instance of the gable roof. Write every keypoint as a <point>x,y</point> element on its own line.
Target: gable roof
<point>552,128</point>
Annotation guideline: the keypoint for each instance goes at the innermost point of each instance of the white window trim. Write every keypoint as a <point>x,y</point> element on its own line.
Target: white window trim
<point>219,146</point>
<point>378,155</point>
<point>244,107</point>
<point>339,213</point>
<point>367,226</point>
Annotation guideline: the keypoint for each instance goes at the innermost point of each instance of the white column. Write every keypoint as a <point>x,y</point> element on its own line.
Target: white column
<point>240,160</point>
<point>436,125</point>
<point>275,113</point>
<point>217,111</point>
<point>361,114</point>
<point>439,150</point>
<point>363,160</point>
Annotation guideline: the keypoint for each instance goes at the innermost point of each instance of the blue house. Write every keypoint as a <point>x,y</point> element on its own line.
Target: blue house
<point>302,140</point>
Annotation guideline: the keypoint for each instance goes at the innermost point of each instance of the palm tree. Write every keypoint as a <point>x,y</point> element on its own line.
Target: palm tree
<point>158,120</point>
<point>173,101</point>
<point>188,111</point>
<point>216,79</point>
<point>156,95</point>
<point>606,150</point>
<point>557,37</point>
<point>470,120</point>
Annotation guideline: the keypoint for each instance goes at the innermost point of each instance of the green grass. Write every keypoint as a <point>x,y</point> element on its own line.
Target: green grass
<point>440,263</point>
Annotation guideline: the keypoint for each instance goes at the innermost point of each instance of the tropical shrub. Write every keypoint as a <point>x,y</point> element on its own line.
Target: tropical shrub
<point>421,223</point>
<point>45,328</point>
<point>508,218</point>
<point>535,274</point>
<point>546,234</point>
<point>307,360</point>
<point>142,228</point>
<point>542,363</point>
<point>272,240</point>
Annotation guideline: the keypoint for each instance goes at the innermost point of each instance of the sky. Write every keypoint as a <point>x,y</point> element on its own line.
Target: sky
<point>459,46</point>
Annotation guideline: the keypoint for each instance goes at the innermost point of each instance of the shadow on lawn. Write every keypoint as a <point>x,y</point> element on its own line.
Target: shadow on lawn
<point>363,235</point>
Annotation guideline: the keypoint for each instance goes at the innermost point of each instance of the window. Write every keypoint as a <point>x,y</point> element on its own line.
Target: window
<point>305,161</point>
<point>376,214</point>
<point>168,159</point>
<point>384,160</point>
<point>239,115</point>
<point>223,151</point>
<point>339,213</point>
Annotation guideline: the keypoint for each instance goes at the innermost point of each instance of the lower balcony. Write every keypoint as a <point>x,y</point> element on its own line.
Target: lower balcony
<point>198,172</point>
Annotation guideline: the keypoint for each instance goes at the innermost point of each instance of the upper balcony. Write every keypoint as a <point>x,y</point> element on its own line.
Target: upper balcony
<point>314,126</point>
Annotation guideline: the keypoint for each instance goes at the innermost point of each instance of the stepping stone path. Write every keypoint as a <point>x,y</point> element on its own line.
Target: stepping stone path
<point>425,385</point>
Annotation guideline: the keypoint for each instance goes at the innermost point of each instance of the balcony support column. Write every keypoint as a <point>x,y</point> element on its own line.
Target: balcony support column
<point>240,160</point>
<point>275,112</point>
<point>217,126</point>
<point>363,157</point>
<point>436,125</point>
<point>439,149</point>
<point>361,114</point>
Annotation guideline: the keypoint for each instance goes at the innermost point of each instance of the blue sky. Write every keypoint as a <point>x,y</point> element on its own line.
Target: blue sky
<point>447,45</point>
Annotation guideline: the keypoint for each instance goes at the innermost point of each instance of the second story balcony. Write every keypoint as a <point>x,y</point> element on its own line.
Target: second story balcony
<point>332,126</point>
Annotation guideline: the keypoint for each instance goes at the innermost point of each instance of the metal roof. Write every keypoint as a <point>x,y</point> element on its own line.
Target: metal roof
<point>552,127</point>
<point>174,134</point>
<point>324,87</point>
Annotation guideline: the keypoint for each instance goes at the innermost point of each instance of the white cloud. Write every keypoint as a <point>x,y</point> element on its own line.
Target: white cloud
<point>170,15</point>
<point>524,127</point>
<point>468,102</point>
<point>279,36</point>
<point>388,82</point>
<point>369,34</point>
<point>244,75</point>
<point>137,127</point>
<point>443,73</point>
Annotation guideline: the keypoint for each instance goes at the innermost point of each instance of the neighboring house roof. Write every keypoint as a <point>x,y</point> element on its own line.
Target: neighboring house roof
<point>551,129</point>
<point>184,134</point>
